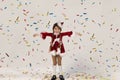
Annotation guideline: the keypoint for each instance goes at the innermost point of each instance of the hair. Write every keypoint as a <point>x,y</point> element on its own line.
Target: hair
<point>56,25</point>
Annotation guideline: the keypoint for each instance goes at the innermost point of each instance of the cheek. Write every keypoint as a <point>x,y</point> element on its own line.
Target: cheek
<point>59,30</point>
<point>54,30</point>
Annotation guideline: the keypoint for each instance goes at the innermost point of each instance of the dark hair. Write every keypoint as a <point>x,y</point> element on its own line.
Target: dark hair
<point>56,25</point>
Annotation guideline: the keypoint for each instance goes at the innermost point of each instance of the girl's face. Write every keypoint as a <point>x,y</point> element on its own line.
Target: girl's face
<point>56,30</point>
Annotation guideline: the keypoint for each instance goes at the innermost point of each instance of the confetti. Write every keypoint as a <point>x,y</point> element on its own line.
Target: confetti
<point>25,12</point>
<point>20,4</point>
<point>92,37</point>
<point>51,13</point>
<point>0,28</point>
<point>5,7</point>
<point>7,54</point>
<point>91,59</point>
<point>25,20</point>
<point>93,3</point>
<point>17,20</point>
<point>33,49</point>
<point>30,64</point>
<point>117,30</point>
<point>116,58</point>
<point>34,23</point>
<point>76,59</point>
<point>93,21</point>
<point>3,0</point>
<point>28,53</point>
<point>85,13</point>
<point>23,59</point>
<point>86,19</point>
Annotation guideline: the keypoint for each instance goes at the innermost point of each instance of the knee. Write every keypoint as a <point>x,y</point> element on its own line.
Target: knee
<point>59,64</point>
<point>55,63</point>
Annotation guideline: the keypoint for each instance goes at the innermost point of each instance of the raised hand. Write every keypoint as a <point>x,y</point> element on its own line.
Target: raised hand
<point>36,35</point>
<point>79,34</point>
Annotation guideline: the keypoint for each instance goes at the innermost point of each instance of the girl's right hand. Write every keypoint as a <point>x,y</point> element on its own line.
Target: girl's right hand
<point>35,35</point>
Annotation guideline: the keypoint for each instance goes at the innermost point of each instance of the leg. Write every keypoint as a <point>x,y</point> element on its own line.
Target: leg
<point>60,67</point>
<point>59,58</point>
<point>54,60</point>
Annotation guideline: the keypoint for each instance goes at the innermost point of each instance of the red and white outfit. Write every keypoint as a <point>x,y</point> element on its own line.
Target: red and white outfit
<point>56,45</point>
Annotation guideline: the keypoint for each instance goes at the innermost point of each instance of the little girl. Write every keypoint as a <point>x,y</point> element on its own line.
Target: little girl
<point>56,47</point>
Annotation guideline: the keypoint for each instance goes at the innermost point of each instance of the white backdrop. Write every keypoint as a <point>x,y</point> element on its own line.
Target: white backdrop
<point>96,52</point>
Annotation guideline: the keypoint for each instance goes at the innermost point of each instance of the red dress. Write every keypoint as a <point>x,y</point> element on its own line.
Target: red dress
<point>56,41</point>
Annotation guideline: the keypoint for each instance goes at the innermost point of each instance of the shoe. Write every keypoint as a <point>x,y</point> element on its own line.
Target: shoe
<point>61,77</point>
<point>53,77</point>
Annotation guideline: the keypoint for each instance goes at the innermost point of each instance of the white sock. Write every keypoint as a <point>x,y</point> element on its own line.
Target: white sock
<point>54,70</point>
<point>60,70</point>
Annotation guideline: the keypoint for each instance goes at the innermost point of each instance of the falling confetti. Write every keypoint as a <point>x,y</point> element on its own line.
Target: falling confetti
<point>117,30</point>
<point>7,54</point>
<point>93,49</point>
<point>91,59</point>
<point>17,20</point>
<point>30,65</point>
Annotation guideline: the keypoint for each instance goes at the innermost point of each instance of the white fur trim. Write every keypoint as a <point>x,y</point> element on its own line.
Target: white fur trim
<point>53,53</point>
<point>62,54</point>
<point>56,34</point>
<point>59,24</point>
<point>58,50</point>
<point>57,39</point>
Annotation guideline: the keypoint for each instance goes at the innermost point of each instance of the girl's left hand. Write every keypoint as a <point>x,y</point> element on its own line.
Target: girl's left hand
<point>79,34</point>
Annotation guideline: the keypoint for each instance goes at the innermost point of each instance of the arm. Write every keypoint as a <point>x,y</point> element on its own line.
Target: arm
<point>45,34</point>
<point>69,33</point>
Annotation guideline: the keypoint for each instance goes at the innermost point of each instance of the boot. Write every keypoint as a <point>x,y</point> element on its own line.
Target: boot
<point>53,77</point>
<point>61,77</point>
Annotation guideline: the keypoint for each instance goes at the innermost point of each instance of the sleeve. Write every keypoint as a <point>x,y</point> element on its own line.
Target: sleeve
<point>45,34</point>
<point>69,33</point>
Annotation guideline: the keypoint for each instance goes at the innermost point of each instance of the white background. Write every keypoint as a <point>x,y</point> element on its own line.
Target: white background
<point>96,52</point>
